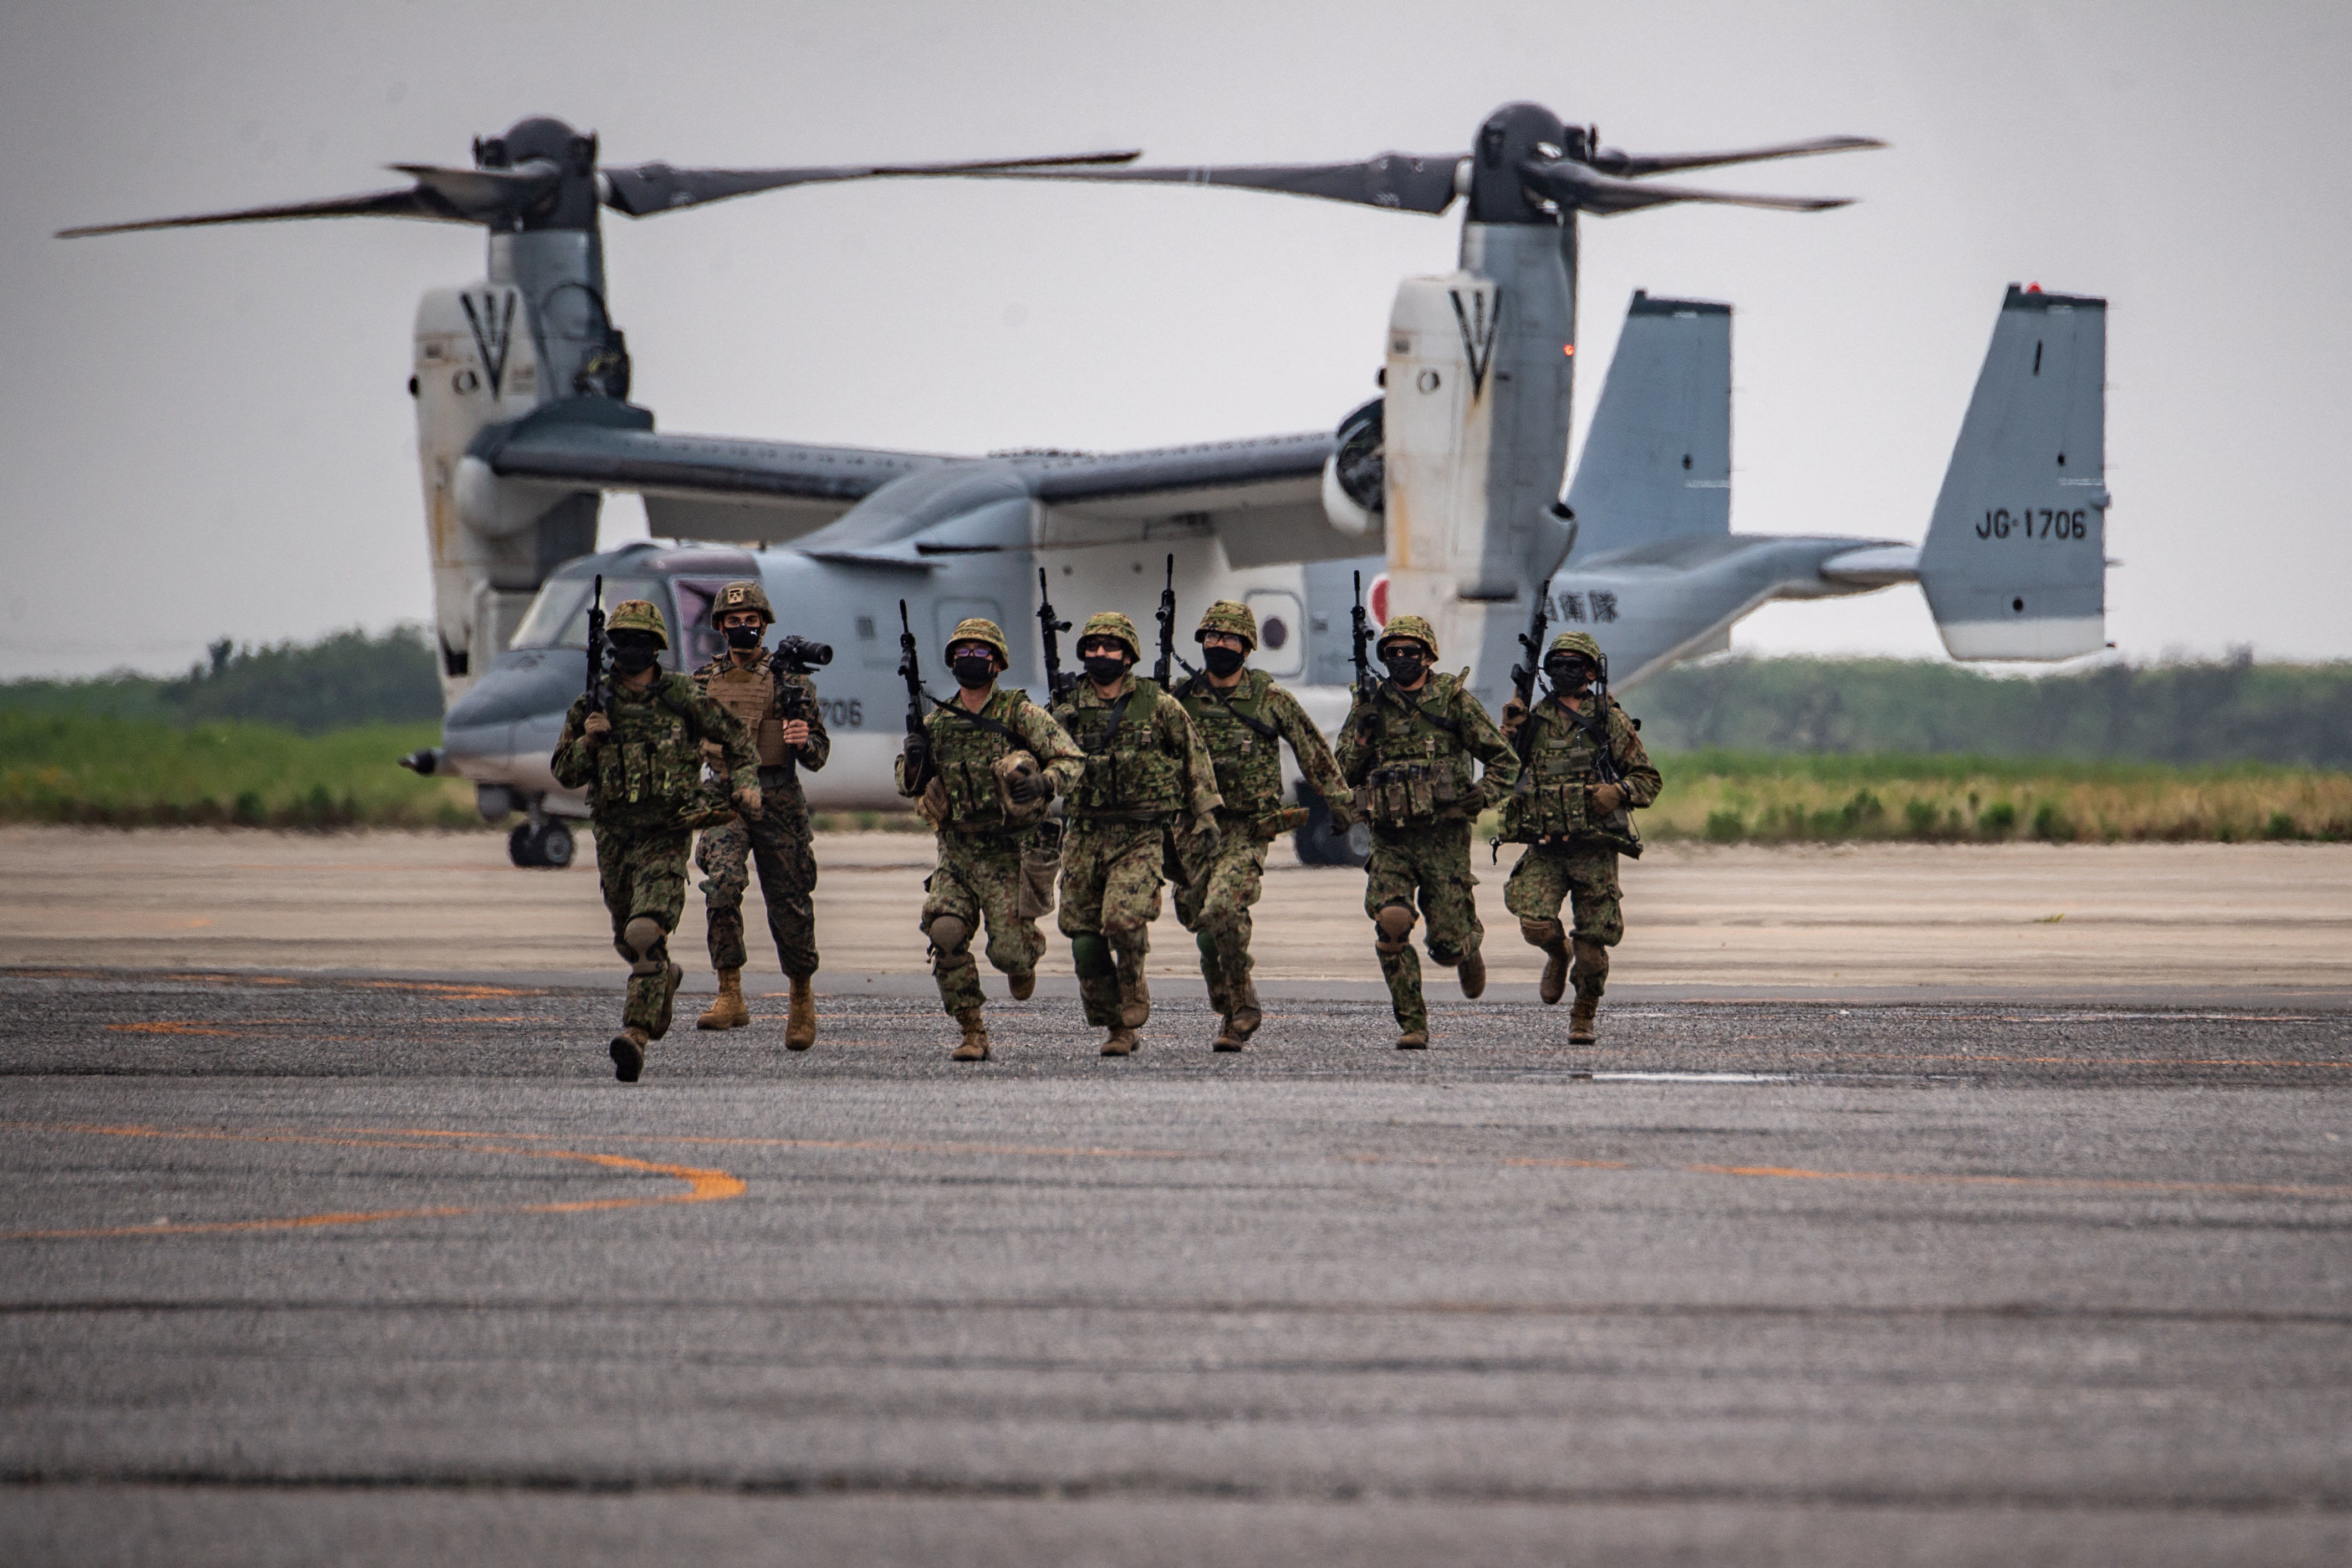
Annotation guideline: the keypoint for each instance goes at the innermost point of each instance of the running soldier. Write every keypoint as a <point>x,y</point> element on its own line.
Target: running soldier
<point>1144,769</point>
<point>778,707</point>
<point>1409,751</point>
<point>642,766</point>
<point>983,773</point>
<point>1574,823</point>
<point>1243,719</point>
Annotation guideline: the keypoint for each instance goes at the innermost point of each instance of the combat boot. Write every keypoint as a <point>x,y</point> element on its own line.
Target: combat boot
<point>728,1011</point>
<point>975,1038</point>
<point>1414,1039</point>
<point>1591,977</point>
<point>1122,1041</point>
<point>672,978</point>
<point>1546,937</point>
<point>1243,1020</point>
<point>1473,972</point>
<point>1023,984</point>
<point>629,1055</point>
<point>800,1025</point>
<point>1134,1002</point>
<point>1228,1037</point>
<point>1581,1018</point>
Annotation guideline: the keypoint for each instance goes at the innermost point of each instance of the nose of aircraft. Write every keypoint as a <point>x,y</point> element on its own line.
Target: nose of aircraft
<point>508,724</point>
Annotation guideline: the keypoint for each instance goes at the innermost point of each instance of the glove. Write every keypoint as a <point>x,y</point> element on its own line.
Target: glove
<point>1206,835</point>
<point>1515,713</point>
<point>748,800</point>
<point>594,729</point>
<point>1030,791</point>
<point>917,753</point>
<point>1606,798</point>
<point>1343,815</point>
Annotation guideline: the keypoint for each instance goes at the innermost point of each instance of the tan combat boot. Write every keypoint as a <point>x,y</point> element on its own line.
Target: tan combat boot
<point>728,1011</point>
<point>1023,984</point>
<point>1581,1020</point>
<point>1592,972</point>
<point>1122,1041</point>
<point>975,1038</point>
<point>1414,1039</point>
<point>800,1025</point>
<point>1546,937</point>
<point>1473,972</point>
<point>1243,1022</point>
<point>628,1054</point>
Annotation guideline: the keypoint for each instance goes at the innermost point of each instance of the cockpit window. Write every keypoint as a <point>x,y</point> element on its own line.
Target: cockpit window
<point>559,616</point>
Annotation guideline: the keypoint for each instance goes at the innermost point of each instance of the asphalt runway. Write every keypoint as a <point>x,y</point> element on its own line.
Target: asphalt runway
<point>357,1268</point>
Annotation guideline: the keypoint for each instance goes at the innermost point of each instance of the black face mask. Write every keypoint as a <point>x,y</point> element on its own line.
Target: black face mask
<point>1103,669</point>
<point>1223,661</point>
<point>1568,676</point>
<point>1404,665</point>
<point>973,671</point>
<point>633,657</point>
<point>745,636</point>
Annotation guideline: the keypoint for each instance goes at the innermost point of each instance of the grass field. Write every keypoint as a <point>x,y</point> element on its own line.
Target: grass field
<point>66,768</point>
<point>63,768</point>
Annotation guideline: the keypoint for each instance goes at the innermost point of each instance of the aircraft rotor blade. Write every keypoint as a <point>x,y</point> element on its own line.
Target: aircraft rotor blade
<point>485,195</point>
<point>413,203</point>
<point>1573,185</point>
<point>1633,166</point>
<point>1406,181</point>
<point>642,190</point>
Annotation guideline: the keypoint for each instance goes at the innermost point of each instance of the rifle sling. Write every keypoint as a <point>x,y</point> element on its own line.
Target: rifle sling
<point>1200,682</point>
<point>1452,727</point>
<point>979,721</point>
<point>1117,717</point>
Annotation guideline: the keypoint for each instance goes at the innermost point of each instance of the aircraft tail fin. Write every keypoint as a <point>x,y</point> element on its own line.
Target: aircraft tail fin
<point>2014,565</point>
<point>1657,462</point>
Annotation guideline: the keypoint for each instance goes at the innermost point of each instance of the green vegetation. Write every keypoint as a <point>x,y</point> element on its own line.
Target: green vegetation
<point>346,679</point>
<point>2188,714</point>
<point>58,768</point>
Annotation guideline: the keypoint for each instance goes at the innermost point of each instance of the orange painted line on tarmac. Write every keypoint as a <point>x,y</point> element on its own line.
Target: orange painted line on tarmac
<point>2092,1184</point>
<point>881,1146</point>
<point>702,1186</point>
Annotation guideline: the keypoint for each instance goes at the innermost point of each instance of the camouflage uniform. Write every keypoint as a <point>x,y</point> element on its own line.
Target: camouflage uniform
<point>1242,731</point>
<point>1571,854</point>
<point>643,776</point>
<point>980,840</point>
<point>1145,766</point>
<point>1413,774</point>
<point>777,840</point>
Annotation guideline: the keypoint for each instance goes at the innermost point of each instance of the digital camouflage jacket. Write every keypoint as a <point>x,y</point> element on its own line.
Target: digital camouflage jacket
<point>1412,756</point>
<point>1551,800</point>
<point>1243,730</point>
<point>964,753</point>
<point>650,768</point>
<point>1144,760</point>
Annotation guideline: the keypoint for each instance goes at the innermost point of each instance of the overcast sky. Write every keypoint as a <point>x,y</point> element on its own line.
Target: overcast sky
<point>207,432</point>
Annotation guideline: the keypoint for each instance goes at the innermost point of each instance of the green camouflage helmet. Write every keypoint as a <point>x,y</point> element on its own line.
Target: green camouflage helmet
<point>1111,624</point>
<point>1232,619</point>
<point>637,615</point>
<point>1411,626</point>
<point>976,630</point>
<point>1575,643</point>
<point>738,596</point>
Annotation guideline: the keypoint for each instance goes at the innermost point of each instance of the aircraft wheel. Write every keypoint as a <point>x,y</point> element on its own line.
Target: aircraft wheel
<point>1319,845</point>
<point>555,846</point>
<point>522,846</point>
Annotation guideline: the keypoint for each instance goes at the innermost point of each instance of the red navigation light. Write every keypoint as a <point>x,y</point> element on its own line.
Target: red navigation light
<point>1568,348</point>
<point>2034,288</point>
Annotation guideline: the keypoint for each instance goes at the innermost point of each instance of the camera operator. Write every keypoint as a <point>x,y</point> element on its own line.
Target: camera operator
<point>775,697</point>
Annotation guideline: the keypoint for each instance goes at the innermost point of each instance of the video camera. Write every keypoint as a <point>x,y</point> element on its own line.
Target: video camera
<point>799,654</point>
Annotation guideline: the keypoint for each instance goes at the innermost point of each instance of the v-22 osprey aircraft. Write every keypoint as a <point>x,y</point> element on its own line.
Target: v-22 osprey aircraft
<point>1444,494</point>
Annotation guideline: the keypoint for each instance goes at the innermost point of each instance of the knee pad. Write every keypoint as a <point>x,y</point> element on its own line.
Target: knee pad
<point>1206,944</point>
<point>1092,955</point>
<point>641,936</point>
<point>949,935</point>
<point>1543,934</point>
<point>1395,921</point>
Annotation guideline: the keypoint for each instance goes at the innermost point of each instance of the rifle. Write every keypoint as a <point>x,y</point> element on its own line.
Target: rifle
<point>1523,683</point>
<point>1057,684</point>
<point>910,669</point>
<point>1166,616</point>
<point>600,694</point>
<point>1361,629</point>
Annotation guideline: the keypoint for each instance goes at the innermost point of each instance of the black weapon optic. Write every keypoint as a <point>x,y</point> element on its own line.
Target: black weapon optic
<point>543,175</point>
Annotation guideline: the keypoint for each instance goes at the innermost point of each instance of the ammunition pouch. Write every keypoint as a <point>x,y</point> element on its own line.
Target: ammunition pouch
<point>1400,794</point>
<point>1547,808</point>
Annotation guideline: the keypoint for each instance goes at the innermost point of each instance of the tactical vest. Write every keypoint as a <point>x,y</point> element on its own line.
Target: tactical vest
<point>1420,772</point>
<point>1550,798</point>
<point>965,755</point>
<point>1127,775</point>
<point>1249,764</point>
<point>648,769</point>
<point>751,695</point>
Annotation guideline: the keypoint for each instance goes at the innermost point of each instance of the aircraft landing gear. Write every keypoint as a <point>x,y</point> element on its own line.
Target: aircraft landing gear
<point>1317,845</point>
<point>541,840</point>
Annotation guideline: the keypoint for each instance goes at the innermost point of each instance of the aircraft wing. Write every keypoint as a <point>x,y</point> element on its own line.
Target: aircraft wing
<point>695,486</point>
<point>1261,497</point>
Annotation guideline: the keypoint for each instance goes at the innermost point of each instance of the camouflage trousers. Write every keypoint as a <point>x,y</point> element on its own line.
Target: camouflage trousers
<point>1582,874</point>
<point>978,878</point>
<point>1431,864</point>
<point>1214,906</point>
<point>1111,873</point>
<point>777,842</point>
<point>643,873</point>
